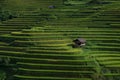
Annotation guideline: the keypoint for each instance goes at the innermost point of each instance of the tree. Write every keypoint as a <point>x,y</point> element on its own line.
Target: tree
<point>4,13</point>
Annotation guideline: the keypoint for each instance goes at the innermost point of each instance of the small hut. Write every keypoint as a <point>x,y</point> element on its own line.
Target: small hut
<point>51,7</point>
<point>79,42</point>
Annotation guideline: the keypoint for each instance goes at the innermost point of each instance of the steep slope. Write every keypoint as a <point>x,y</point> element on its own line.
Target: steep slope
<point>47,56</point>
<point>45,52</point>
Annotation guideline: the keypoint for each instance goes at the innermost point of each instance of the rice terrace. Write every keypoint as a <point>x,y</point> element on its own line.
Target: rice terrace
<point>59,39</point>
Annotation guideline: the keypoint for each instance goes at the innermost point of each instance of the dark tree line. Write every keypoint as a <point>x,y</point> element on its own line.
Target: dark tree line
<point>4,13</point>
<point>98,2</point>
<point>94,2</point>
<point>88,1</point>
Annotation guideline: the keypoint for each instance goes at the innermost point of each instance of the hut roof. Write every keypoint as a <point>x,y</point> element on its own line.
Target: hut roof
<point>82,40</point>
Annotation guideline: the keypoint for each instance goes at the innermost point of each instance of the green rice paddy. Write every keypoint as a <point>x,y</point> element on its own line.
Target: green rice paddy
<point>36,43</point>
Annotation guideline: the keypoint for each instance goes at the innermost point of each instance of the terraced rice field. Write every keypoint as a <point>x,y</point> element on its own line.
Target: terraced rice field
<point>37,44</point>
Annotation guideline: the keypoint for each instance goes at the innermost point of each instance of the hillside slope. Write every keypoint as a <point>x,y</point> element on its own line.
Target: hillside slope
<point>37,44</point>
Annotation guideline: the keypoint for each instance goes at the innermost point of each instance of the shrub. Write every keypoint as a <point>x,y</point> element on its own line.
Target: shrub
<point>5,15</point>
<point>2,75</point>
